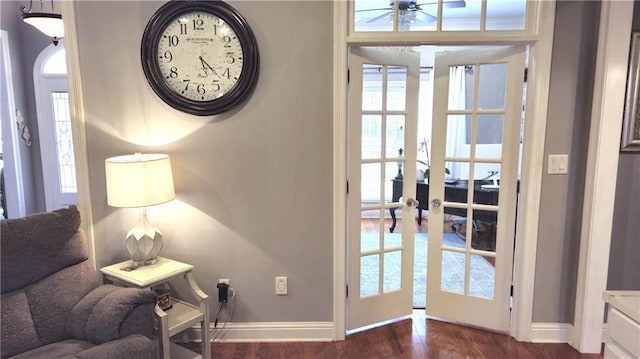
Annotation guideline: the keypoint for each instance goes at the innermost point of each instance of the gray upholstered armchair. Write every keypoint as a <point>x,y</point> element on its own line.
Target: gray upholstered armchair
<point>52,303</point>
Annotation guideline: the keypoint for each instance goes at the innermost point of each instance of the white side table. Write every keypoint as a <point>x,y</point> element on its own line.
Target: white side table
<point>182,315</point>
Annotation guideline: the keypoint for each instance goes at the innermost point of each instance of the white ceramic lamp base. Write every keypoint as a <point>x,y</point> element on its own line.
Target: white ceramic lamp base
<point>143,242</point>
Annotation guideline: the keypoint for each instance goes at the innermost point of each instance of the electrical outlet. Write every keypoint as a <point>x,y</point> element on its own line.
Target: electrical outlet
<point>223,292</point>
<point>281,285</point>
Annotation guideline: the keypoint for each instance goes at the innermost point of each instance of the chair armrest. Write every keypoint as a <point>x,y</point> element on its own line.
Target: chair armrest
<point>110,312</point>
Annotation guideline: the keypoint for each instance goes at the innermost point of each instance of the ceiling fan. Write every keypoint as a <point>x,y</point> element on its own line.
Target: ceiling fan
<point>424,11</point>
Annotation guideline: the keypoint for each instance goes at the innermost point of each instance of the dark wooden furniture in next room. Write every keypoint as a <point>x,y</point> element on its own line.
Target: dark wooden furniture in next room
<point>453,192</point>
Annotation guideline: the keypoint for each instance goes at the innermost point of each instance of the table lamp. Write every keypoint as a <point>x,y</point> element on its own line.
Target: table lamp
<point>399,144</point>
<point>138,181</point>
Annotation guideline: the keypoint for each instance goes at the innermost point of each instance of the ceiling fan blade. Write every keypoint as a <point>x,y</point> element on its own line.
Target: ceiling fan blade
<point>425,17</point>
<point>452,4</point>
<point>386,14</point>
<point>381,9</point>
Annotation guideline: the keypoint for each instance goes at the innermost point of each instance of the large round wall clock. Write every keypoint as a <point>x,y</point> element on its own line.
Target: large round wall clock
<point>200,57</point>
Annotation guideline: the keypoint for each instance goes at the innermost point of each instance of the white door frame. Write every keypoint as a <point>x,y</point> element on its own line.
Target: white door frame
<point>11,140</point>
<point>602,172</point>
<point>76,109</point>
<point>532,165</point>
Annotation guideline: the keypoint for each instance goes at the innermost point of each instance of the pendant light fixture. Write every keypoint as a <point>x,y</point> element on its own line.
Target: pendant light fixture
<point>49,23</point>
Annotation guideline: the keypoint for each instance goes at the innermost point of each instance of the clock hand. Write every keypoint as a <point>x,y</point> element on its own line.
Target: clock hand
<point>205,65</point>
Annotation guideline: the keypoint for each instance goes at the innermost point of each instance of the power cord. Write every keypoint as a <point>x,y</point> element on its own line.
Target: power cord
<point>215,323</point>
<point>216,334</point>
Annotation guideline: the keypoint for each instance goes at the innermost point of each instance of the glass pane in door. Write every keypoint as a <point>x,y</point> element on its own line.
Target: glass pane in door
<point>395,135</point>
<point>453,271</point>
<point>371,87</point>
<point>482,276</point>
<point>370,192</point>
<point>396,88</point>
<point>461,87</point>
<point>458,136</point>
<point>492,82</point>
<point>371,136</point>
<point>392,269</point>
<point>483,230</point>
<point>489,132</point>
<point>369,275</point>
<point>64,143</point>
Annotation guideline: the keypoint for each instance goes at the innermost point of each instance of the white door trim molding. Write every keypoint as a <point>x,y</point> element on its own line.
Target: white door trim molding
<point>601,175</point>
<point>76,108</point>
<point>532,172</point>
<point>340,22</point>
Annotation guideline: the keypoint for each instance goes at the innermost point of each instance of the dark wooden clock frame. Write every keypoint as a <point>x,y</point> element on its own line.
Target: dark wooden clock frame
<point>251,59</point>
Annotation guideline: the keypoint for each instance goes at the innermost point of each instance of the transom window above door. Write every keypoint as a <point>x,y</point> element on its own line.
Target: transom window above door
<point>438,15</point>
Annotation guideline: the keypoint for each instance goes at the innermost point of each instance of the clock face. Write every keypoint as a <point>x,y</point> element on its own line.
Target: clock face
<point>200,56</point>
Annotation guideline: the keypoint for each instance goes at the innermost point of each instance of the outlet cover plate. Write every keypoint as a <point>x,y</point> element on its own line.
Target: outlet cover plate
<point>281,286</point>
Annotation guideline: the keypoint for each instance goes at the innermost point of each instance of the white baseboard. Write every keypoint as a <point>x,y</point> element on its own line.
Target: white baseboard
<point>323,332</point>
<point>556,332</point>
<point>267,332</point>
<point>551,332</point>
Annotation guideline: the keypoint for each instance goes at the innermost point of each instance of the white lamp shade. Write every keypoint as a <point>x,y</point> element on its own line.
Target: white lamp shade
<point>139,180</point>
<point>49,24</point>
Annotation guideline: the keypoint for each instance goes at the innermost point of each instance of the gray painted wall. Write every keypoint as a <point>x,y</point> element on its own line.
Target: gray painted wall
<point>254,186</point>
<point>25,44</point>
<point>572,68</point>
<point>624,262</point>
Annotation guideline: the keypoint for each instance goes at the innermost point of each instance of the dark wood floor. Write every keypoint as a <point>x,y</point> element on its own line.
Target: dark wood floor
<point>417,337</point>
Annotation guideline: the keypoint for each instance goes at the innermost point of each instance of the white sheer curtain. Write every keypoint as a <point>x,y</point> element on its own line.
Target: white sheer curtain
<point>456,125</point>
<point>425,114</point>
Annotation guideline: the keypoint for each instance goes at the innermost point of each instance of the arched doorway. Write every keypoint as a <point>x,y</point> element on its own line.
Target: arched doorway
<point>54,124</point>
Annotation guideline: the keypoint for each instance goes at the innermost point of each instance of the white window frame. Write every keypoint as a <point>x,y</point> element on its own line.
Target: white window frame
<point>530,32</point>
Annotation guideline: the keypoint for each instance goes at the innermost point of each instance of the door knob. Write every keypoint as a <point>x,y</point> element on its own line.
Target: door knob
<point>412,202</point>
<point>436,203</point>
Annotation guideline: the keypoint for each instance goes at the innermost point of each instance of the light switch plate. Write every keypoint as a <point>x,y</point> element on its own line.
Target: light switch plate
<point>558,164</point>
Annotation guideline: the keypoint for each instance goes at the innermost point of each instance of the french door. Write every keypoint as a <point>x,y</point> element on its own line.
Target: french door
<point>383,108</point>
<point>477,113</point>
<point>54,124</point>
<point>476,138</point>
